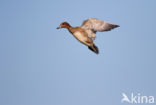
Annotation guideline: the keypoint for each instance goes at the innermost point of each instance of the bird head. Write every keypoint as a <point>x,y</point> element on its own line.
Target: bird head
<point>64,25</point>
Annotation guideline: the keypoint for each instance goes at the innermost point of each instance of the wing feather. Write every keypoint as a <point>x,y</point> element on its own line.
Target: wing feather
<point>93,25</point>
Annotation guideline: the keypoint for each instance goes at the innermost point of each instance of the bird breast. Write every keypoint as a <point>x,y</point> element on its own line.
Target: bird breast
<point>79,36</point>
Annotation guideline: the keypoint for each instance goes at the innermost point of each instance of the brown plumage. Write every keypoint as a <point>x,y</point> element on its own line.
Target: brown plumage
<point>86,33</point>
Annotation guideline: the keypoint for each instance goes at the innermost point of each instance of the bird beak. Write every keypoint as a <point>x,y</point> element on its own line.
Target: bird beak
<point>58,27</point>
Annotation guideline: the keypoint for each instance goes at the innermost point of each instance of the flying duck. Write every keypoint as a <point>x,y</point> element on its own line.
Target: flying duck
<point>86,33</point>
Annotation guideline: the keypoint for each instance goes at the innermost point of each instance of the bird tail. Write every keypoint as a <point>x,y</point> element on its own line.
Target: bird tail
<point>94,49</point>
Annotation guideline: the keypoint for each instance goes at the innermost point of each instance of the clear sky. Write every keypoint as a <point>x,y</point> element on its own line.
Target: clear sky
<point>40,65</point>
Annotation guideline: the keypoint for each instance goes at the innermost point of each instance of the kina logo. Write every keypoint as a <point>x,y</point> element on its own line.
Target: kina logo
<point>137,99</point>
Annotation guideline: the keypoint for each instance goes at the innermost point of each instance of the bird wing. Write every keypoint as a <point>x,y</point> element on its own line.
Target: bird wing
<point>92,25</point>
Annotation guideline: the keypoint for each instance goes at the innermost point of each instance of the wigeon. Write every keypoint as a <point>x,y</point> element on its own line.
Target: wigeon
<point>86,33</point>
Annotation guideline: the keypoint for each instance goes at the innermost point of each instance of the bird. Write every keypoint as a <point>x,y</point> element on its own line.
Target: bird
<point>86,33</point>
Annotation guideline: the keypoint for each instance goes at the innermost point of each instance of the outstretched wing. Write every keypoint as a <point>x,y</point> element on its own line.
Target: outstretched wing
<point>93,25</point>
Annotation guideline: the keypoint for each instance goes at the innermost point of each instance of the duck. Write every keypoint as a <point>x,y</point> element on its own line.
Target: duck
<point>86,33</point>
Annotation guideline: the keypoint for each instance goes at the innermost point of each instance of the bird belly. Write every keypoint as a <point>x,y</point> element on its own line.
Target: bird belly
<point>79,36</point>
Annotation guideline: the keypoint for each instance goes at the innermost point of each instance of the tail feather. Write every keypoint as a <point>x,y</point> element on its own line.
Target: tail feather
<point>94,49</point>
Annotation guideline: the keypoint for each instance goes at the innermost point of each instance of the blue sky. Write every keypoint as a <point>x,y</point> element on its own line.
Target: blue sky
<point>44,66</point>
